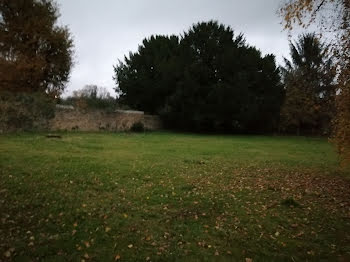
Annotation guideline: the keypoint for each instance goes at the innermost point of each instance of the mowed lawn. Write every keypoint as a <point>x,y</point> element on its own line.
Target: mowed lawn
<point>172,197</point>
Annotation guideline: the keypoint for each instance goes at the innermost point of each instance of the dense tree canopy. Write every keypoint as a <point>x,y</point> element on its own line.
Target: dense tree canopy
<point>146,77</point>
<point>35,53</point>
<point>310,89</point>
<point>209,80</point>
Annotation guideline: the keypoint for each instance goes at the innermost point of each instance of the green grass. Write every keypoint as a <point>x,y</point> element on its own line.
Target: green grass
<point>171,197</point>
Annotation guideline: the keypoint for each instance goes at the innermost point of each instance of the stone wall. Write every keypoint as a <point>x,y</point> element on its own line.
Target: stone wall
<point>70,119</point>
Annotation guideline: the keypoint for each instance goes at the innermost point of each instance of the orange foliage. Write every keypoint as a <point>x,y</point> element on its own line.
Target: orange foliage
<point>35,53</point>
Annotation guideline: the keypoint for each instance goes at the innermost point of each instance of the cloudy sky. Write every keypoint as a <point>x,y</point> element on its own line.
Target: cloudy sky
<point>105,30</point>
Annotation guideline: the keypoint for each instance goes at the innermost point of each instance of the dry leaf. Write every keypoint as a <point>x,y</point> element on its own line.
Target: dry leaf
<point>7,253</point>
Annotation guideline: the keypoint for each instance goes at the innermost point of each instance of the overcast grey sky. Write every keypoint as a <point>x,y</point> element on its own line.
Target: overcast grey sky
<point>105,30</point>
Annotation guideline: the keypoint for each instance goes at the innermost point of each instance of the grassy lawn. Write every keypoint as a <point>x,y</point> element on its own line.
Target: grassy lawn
<point>172,197</point>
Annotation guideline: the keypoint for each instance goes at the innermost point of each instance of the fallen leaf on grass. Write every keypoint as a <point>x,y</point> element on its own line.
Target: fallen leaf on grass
<point>7,253</point>
<point>117,257</point>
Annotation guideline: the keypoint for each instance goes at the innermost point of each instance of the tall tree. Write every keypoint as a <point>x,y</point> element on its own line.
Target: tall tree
<point>310,90</point>
<point>209,80</point>
<point>35,53</point>
<point>331,16</point>
<point>226,85</point>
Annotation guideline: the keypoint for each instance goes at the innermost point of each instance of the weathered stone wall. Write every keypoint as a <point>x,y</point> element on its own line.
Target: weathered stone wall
<point>68,119</point>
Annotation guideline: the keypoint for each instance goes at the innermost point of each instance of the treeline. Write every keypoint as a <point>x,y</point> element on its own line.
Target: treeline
<point>90,97</point>
<point>208,79</point>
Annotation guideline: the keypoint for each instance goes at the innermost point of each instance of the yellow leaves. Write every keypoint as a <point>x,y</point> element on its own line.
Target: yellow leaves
<point>107,229</point>
<point>125,215</point>
<point>117,257</point>
<point>130,246</point>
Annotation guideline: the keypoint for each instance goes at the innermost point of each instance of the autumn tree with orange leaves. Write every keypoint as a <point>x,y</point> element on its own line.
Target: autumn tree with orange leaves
<point>331,17</point>
<point>35,53</point>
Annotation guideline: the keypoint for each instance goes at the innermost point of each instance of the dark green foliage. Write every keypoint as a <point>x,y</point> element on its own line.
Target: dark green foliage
<point>138,127</point>
<point>23,111</point>
<point>148,76</point>
<point>310,87</point>
<point>210,80</point>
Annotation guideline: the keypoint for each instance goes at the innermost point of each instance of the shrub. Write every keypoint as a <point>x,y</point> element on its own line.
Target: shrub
<point>138,127</point>
<point>25,111</point>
